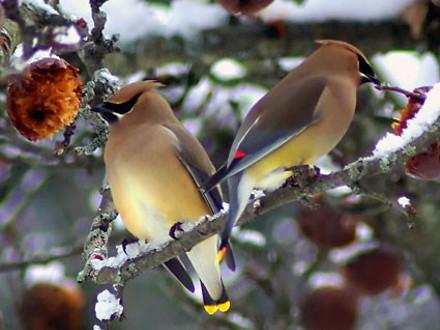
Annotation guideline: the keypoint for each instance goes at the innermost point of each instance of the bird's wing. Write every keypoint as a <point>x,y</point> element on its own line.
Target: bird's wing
<point>195,159</point>
<point>175,267</point>
<point>283,113</point>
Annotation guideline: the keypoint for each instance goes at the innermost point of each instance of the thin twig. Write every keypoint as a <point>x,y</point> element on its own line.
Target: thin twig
<point>42,259</point>
<point>413,95</point>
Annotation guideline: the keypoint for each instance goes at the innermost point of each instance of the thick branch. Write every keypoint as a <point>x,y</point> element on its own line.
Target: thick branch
<point>304,186</point>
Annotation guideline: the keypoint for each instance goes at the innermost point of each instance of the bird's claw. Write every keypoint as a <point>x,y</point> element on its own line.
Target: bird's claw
<point>176,230</point>
<point>301,174</point>
<point>127,241</point>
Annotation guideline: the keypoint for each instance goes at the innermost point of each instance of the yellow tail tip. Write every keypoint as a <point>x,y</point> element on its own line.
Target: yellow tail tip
<point>210,309</point>
<point>221,254</point>
<point>224,307</point>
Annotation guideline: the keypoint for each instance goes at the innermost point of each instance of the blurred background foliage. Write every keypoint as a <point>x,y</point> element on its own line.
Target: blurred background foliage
<point>215,66</point>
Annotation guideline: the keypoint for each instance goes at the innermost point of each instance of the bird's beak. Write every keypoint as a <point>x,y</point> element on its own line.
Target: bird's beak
<point>366,78</point>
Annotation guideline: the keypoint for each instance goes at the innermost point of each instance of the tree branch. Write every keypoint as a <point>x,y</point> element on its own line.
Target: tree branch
<point>41,259</point>
<point>118,271</point>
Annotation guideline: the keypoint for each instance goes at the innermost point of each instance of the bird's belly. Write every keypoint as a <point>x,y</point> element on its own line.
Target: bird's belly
<point>306,148</point>
<point>150,204</point>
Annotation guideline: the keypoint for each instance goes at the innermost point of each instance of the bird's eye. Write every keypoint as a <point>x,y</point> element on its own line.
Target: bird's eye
<point>121,108</point>
<point>109,117</point>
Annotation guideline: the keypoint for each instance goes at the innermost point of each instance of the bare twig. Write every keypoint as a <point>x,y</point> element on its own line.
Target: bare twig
<point>42,259</point>
<point>98,45</point>
<point>413,95</point>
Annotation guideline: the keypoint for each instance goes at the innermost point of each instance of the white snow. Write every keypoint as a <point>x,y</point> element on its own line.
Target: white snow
<point>132,250</point>
<point>299,267</point>
<point>363,232</point>
<point>97,327</point>
<point>107,305</point>
<point>134,77</point>
<point>70,37</point>
<point>404,201</point>
<point>258,193</point>
<point>320,279</point>
<point>133,19</point>
<point>249,236</point>
<point>19,64</point>
<point>326,165</point>
<point>425,117</point>
<point>339,191</point>
<point>322,10</point>
<point>193,125</point>
<point>407,69</point>
<point>40,5</point>
<point>173,69</point>
<point>240,321</point>
<point>50,273</point>
<point>105,74</point>
<point>289,63</point>
<point>187,17</point>
<point>228,69</point>
<point>341,256</point>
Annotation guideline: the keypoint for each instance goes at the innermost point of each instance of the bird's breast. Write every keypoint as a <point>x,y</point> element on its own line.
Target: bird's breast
<point>151,189</point>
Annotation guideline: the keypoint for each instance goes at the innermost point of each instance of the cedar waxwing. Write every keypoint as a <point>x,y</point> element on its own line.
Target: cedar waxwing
<point>155,168</point>
<point>299,120</point>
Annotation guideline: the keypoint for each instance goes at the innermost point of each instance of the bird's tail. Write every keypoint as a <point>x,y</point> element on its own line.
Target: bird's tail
<point>211,306</point>
<point>202,257</point>
<point>240,187</point>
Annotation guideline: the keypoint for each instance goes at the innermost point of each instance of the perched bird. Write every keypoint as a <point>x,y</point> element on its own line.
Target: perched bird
<point>155,168</point>
<point>300,119</point>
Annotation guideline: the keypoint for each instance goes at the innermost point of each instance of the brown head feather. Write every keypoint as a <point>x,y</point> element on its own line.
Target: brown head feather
<point>130,91</point>
<point>342,44</point>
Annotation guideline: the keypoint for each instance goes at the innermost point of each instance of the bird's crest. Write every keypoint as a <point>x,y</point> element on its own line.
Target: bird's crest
<point>344,45</point>
<point>133,90</point>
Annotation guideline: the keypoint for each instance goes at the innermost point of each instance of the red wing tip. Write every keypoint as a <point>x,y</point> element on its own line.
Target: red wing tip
<point>239,154</point>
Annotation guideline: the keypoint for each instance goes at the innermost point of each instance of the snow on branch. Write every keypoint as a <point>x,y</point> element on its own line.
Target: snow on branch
<point>137,258</point>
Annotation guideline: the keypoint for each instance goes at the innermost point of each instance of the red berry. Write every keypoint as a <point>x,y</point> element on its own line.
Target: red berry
<point>329,308</point>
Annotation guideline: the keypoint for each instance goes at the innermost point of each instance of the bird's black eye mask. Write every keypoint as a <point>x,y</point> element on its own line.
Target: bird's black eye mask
<point>367,72</point>
<point>111,112</point>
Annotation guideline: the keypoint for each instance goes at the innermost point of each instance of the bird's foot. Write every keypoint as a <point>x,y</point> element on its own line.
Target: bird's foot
<point>312,172</point>
<point>256,196</point>
<point>127,241</point>
<point>301,175</point>
<point>176,230</point>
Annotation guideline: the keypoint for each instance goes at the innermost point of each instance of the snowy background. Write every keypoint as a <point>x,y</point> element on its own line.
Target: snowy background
<point>211,93</point>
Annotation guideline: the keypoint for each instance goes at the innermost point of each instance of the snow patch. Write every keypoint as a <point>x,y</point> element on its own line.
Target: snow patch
<point>107,305</point>
<point>320,279</point>
<point>322,10</point>
<point>40,5</point>
<point>50,273</point>
<point>404,201</point>
<point>249,236</point>
<point>423,119</point>
<point>407,69</point>
<point>228,69</point>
